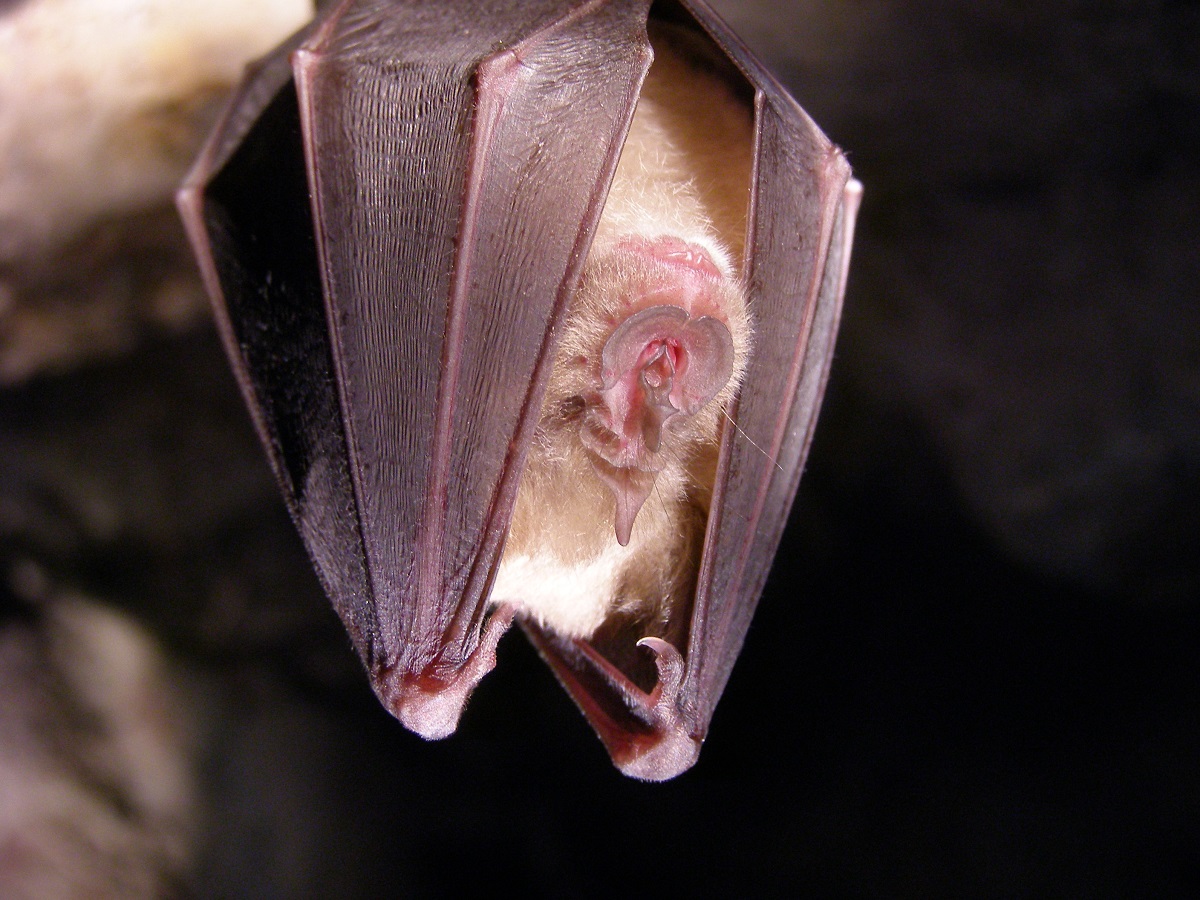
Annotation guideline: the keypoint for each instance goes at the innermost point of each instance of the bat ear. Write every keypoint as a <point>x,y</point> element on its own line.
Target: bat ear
<point>675,362</point>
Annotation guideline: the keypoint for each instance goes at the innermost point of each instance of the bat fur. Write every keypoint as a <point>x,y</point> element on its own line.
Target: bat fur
<point>682,183</point>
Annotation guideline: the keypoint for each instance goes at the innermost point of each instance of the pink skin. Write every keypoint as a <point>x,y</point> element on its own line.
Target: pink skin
<point>676,251</point>
<point>687,274</point>
<point>671,355</point>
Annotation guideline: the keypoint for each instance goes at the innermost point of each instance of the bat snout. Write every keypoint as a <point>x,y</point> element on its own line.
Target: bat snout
<point>659,364</point>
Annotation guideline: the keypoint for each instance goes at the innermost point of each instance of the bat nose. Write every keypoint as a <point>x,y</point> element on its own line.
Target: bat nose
<point>671,357</point>
<point>660,362</point>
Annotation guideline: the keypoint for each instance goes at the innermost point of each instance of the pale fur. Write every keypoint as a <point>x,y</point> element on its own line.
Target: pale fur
<point>684,172</point>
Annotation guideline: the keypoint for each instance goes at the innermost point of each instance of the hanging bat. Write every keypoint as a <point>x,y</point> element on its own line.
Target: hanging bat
<point>532,327</point>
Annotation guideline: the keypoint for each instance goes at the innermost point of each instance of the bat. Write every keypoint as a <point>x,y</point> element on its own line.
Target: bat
<point>533,305</point>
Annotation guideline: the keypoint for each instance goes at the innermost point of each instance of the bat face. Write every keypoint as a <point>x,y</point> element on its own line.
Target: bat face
<point>533,329</point>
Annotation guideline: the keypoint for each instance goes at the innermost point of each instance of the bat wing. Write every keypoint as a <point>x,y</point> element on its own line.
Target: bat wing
<point>801,225</point>
<point>391,219</point>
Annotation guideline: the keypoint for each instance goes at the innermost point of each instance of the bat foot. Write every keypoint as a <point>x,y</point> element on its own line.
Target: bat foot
<point>669,753</point>
<point>430,704</point>
<point>671,747</point>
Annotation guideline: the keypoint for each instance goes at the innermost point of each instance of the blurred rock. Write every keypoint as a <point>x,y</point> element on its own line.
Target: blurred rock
<point>103,105</point>
<point>97,783</point>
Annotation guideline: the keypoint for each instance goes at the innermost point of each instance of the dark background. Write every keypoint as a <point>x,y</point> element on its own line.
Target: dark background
<point>974,669</point>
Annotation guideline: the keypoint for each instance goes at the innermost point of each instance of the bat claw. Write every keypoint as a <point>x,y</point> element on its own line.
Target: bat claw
<point>670,677</point>
<point>673,747</point>
<point>649,736</point>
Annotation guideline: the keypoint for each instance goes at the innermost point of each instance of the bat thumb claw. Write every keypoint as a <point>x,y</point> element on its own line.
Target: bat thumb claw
<point>674,747</point>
